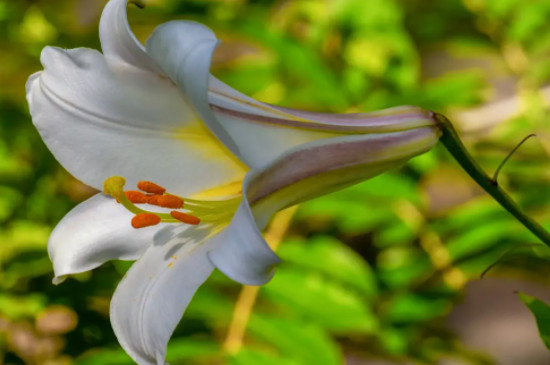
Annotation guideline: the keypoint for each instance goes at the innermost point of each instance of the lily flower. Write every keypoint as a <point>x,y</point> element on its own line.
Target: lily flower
<point>222,164</point>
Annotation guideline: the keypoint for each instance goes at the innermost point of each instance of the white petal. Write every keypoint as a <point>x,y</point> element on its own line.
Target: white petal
<point>183,49</point>
<point>257,133</point>
<point>263,132</point>
<point>324,166</point>
<point>100,122</point>
<point>117,40</point>
<point>303,173</point>
<point>241,252</point>
<point>151,298</point>
<point>94,232</point>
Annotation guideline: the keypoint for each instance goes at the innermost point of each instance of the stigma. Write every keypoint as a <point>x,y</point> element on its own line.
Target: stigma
<point>181,210</point>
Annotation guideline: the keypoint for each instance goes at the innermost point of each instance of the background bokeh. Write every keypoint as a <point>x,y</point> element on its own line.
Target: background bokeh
<point>385,272</point>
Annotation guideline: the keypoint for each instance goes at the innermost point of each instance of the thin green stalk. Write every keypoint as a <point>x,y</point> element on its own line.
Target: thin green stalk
<point>453,144</point>
<point>497,171</point>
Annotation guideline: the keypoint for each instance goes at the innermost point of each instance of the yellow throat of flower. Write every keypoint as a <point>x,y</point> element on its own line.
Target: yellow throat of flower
<point>182,210</point>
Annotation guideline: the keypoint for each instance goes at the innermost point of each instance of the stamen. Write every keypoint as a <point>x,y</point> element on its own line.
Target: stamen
<point>145,220</point>
<point>136,197</point>
<point>150,187</point>
<point>165,201</point>
<point>185,218</point>
<point>218,212</point>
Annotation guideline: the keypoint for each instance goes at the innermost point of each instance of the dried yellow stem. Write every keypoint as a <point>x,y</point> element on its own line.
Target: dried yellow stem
<point>247,297</point>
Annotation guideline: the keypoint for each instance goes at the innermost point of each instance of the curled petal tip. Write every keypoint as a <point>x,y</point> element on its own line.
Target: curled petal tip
<point>240,251</point>
<point>59,279</point>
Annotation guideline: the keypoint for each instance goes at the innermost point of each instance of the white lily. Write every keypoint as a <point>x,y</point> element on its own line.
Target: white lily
<point>155,113</point>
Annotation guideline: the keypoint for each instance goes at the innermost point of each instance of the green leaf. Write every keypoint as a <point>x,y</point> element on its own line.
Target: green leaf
<point>353,217</point>
<point>102,356</point>
<point>480,237</point>
<point>541,311</point>
<point>528,21</point>
<point>393,340</point>
<point>334,259</point>
<point>328,303</point>
<point>301,68</point>
<point>210,304</point>
<point>362,207</point>
<point>397,233</point>
<point>12,168</point>
<point>32,264</point>
<point>458,89</point>
<point>9,200</point>
<point>415,308</point>
<point>537,250</point>
<point>21,306</point>
<point>401,266</point>
<point>390,186</point>
<point>254,357</point>
<point>22,236</point>
<point>295,339</point>
<point>179,349</point>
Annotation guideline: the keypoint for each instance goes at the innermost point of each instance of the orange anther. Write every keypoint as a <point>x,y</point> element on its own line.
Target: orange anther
<point>166,201</point>
<point>145,220</point>
<point>150,187</point>
<point>185,218</point>
<point>136,197</point>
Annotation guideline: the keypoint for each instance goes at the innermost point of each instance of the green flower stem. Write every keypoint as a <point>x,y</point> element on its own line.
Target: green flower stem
<point>453,144</point>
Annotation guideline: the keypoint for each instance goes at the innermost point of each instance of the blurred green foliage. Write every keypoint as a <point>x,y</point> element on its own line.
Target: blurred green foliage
<point>369,272</point>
